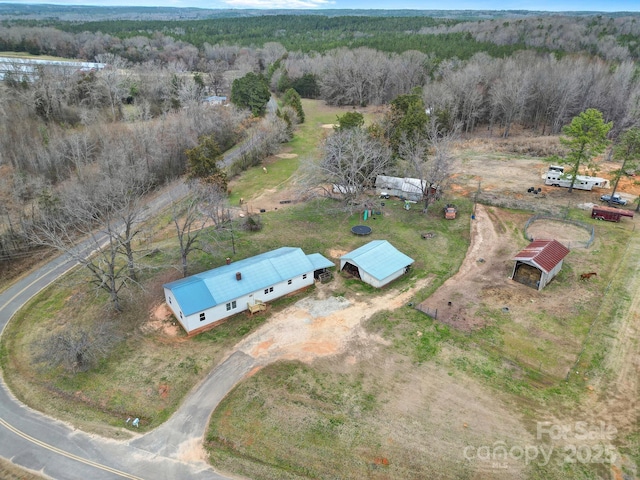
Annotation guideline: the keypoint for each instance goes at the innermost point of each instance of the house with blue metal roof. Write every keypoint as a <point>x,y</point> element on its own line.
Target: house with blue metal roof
<point>203,300</point>
<point>376,263</point>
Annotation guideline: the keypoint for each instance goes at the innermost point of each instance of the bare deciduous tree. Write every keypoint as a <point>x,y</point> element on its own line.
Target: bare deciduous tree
<point>95,224</point>
<point>426,155</point>
<point>214,202</point>
<point>189,222</point>
<point>78,349</point>
<point>215,76</point>
<point>509,94</point>
<point>108,271</point>
<point>351,162</point>
<point>113,80</point>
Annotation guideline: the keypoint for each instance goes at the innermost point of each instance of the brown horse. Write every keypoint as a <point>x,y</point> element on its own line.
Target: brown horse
<point>587,276</point>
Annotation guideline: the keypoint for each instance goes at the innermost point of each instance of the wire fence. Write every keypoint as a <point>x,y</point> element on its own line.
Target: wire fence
<point>431,312</point>
<point>569,244</point>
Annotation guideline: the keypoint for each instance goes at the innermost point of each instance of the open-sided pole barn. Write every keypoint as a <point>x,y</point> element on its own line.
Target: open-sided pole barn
<point>537,264</point>
<point>376,263</point>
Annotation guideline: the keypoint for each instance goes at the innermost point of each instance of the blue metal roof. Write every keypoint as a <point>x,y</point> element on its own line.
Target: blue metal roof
<point>213,287</point>
<point>378,258</point>
<point>318,261</point>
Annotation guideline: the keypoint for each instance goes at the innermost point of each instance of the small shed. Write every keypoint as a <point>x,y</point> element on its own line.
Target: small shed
<point>538,263</point>
<point>376,263</point>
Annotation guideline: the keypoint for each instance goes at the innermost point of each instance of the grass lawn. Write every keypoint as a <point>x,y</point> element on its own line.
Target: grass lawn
<point>9,471</point>
<point>149,372</point>
<point>302,147</point>
<point>403,407</point>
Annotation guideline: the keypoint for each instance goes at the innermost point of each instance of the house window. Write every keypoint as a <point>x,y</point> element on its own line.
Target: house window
<point>304,276</point>
<point>231,305</point>
<point>169,299</point>
<point>288,282</point>
<point>268,290</point>
<point>202,317</point>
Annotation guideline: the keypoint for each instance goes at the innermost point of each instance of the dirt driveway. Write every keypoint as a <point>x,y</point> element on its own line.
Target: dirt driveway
<point>324,326</point>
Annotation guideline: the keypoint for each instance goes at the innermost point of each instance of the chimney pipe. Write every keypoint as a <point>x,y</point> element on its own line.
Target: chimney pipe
<point>238,276</point>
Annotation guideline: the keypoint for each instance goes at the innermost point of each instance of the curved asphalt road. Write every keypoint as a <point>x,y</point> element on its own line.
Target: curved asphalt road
<point>43,444</point>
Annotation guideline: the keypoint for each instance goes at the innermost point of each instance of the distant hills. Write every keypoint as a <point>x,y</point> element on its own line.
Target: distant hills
<point>84,13</point>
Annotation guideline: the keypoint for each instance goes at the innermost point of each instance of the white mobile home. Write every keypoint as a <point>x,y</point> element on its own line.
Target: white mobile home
<point>202,300</point>
<point>409,188</point>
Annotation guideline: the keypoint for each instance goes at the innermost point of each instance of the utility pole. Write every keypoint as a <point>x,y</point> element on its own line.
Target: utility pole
<point>233,242</point>
<point>475,201</point>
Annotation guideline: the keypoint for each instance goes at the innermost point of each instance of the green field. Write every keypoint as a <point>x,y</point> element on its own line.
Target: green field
<point>403,406</point>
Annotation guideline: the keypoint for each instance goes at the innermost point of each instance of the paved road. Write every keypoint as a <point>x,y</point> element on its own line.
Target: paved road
<point>186,428</point>
<point>40,443</point>
<point>232,155</point>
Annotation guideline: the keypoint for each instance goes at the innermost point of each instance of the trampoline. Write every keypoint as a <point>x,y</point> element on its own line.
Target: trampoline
<point>361,230</point>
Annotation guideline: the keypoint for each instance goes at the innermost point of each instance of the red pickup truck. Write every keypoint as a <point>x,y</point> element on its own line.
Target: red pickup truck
<point>450,211</point>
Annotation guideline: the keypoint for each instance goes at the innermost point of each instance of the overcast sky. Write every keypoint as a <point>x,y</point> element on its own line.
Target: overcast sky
<point>538,5</point>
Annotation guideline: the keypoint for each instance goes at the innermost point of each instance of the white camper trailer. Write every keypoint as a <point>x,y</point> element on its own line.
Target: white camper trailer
<point>557,178</point>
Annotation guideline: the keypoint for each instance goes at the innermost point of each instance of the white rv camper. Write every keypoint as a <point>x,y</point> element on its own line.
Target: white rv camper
<point>557,178</point>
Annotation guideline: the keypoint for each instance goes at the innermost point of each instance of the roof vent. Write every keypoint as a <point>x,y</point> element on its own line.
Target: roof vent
<point>238,276</point>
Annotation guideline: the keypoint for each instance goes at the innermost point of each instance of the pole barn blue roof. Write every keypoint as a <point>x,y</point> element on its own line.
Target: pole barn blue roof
<point>378,258</point>
<point>220,285</point>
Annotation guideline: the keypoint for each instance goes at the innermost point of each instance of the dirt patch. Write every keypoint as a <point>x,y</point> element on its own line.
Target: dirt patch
<point>329,125</point>
<point>270,200</point>
<point>320,325</point>
<point>160,320</point>
<point>336,254</point>
<point>192,451</point>
<point>484,276</point>
<point>286,155</point>
<point>565,233</point>
<point>486,264</point>
<point>163,390</point>
<point>501,171</point>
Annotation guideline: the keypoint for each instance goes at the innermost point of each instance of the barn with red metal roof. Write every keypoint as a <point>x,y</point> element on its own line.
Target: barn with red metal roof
<point>538,263</point>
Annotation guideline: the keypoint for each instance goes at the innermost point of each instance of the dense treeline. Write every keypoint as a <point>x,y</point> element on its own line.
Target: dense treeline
<point>540,91</point>
<point>148,105</point>
<point>612,37</point>
<point>295,33</point>
<point>90,13</point>
<point>64,131</point>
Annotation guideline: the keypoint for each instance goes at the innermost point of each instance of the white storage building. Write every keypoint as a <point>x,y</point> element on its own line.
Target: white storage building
<point>376,263</point>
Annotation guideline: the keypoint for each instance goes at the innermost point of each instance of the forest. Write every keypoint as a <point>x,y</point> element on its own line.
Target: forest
<point>60,128</point>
